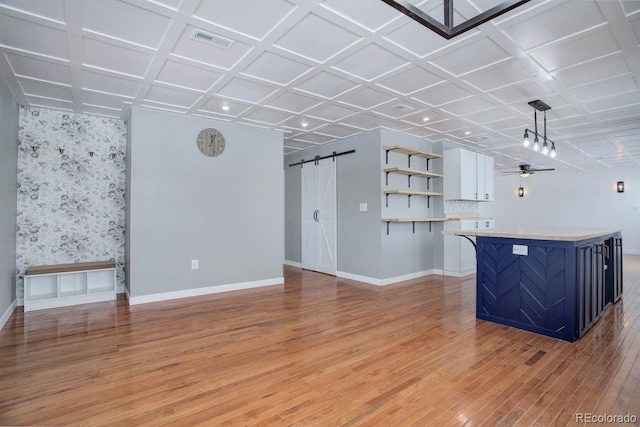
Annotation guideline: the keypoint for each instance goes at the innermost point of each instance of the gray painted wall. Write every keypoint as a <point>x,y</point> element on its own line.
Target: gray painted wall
<point>225,211</point>
<point>127,210</point>
<point>8,195</point>
<point>403,251</point>
<point>363,246</point>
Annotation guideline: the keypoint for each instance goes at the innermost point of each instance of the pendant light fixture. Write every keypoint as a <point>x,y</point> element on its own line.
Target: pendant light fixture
<point>548,147</point>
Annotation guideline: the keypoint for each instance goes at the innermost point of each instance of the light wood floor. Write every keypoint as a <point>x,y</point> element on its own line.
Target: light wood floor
<point>318,351</point>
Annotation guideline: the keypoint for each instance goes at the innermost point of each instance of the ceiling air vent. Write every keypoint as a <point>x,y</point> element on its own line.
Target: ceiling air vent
<point>402,107</point>
<point>212,39</point>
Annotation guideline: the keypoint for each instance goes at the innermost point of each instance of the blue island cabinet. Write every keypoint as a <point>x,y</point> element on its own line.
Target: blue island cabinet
<point>557,288</point>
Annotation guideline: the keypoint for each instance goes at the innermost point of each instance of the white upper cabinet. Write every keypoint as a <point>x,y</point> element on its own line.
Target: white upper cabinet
<point>469,175</point>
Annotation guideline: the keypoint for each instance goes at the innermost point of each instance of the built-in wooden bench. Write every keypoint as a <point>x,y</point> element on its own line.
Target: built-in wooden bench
<point>49,286</point>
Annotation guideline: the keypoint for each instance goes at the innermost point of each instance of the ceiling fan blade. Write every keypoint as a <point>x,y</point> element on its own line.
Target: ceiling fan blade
<point>511,172</point>
<point>541,170</point>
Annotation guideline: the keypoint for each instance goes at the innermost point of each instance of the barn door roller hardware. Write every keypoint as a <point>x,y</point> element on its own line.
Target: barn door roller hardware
<point>448,30</point>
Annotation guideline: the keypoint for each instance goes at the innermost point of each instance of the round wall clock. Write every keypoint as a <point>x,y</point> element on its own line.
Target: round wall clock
<point>211,142</point>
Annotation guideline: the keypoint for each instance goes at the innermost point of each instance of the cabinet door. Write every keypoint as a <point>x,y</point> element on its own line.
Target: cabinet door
<point>468,175</point>
<point>480,177</point>
<point>617,268</point>
<point>488,178</point>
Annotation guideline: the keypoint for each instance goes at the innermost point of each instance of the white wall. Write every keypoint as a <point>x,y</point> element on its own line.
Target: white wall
<point>226,211</point>
<point>8,185</point>
<point>576,199</point>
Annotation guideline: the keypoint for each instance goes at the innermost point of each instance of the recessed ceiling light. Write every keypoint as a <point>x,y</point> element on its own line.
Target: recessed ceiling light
<point>305,124</point>
<point>467,133</point>
<point>425,119</point>
<point>225,106</point>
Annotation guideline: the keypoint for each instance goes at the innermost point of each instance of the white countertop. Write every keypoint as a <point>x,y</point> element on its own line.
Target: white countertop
<point>571,234</point>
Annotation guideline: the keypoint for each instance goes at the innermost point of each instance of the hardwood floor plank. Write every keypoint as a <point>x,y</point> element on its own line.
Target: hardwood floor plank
<point>319,350</point>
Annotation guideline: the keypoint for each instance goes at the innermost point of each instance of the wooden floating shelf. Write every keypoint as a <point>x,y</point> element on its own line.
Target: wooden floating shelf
<point>413,172</point>
<point>414,219</point>
<point>413,152</point>
<point>413,193</point>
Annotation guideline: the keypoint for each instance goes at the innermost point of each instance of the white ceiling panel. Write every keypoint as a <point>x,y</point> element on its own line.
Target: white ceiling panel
<point>42,90</point>
<point>337,131</point>
<point>293,102</point>
<point>109,84</point>
<point>304,39</point>
<point>267,116</point>
<point>24,66</point>
<point>124,22</point>
<point>608,87</point>
<point>43,40</point>
<point>103,100</point>
<point>173,97</point>
<point>378,13</point>
<point>410,81</point>
<point>254,18</point>
<point>552,23</point>
<point>593,71</point>
<point>503,74</point>
<point>576,50</point>
<point>424,117</point>
<point>397,110</point>
<point>50,9</point>
<point>302,124</point>
<point>470,57</point>
<point>275,69</point>
<point>210,54</point>
<point>522,92</point>
<point>466,106</point>
<point>50,103</point>
<point>110,57</point>
<point>366,98</point>
<point>442,94</point>
<point>625,111</point>
<point>326,85</point>
<point>244,90</point>
<point>321,70</point>
<point>224,107</point>
<point>186,76</point>
<point>331,112</point>
<point>370,62</point>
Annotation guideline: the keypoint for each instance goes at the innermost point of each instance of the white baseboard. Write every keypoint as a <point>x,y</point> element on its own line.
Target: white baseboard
<point>126,294</point>
<point>358,278</point>
<point>143,299</point>
<point>120,289</point>
<point>292,263</point>
<point>7,313</point>
<point>390,280</point>
<point>458,274</point>
<point>20,302</point>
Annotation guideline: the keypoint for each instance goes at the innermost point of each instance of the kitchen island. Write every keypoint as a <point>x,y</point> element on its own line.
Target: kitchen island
<point>553,281</point>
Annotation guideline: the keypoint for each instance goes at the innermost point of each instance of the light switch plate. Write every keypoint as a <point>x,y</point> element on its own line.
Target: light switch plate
<point>520,250</point>
<point>363,207</point>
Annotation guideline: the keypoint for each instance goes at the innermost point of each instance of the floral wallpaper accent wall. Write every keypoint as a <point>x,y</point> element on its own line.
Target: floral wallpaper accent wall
<point>71,206</point>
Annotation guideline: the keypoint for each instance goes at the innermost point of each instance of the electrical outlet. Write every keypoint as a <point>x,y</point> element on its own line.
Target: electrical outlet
<point>363,207</point>
<point>194,264</point>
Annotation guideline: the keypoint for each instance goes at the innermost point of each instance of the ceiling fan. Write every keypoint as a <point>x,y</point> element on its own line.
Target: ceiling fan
<point>525,170</point>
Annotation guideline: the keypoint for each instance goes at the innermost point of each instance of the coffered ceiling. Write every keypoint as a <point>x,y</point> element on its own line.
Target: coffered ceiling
<point>322,70</point>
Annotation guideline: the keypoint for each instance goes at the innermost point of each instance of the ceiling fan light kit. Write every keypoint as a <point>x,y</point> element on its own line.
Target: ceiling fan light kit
<point>545,148</point>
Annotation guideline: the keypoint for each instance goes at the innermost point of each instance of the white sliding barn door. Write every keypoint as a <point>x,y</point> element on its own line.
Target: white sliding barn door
<point>319,217</point>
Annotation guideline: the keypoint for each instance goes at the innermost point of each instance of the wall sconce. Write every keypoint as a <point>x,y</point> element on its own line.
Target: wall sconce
<point>34,148</point>
<point>620,186</point>
<point>113,155</point>
<point>91,153</point>
<point>520,191</point>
